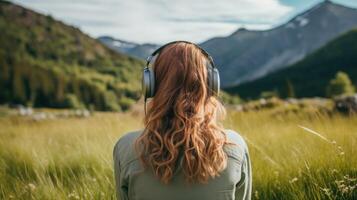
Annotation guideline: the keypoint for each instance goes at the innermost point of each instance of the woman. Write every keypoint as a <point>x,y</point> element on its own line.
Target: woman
<point>183,153</point>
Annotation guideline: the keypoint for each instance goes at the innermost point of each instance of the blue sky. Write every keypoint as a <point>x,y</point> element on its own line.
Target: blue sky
<point>160,21</point>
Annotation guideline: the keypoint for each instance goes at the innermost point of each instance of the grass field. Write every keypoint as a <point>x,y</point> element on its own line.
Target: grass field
<point>295,155</point>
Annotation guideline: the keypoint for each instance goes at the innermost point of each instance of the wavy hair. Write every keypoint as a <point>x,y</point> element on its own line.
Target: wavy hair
<point>181,121</point>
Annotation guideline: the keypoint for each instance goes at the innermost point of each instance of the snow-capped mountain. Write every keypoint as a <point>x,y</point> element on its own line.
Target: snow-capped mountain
<point>247,55</point>
<point>141,51</point>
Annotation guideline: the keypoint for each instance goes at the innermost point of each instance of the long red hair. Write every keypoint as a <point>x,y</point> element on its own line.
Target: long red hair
<point>182,118</point>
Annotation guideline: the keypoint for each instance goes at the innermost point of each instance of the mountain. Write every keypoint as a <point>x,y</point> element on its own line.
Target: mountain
<point>247,55</point>
<point>310,76</point>
<point>141,51</point>
<point>46,63</point>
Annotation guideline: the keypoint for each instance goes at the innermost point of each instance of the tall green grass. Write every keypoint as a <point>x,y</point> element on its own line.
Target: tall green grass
<point>294,155</point>
<point>300,156</point>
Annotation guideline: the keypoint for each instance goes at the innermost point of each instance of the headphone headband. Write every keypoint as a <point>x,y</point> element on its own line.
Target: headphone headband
<point>148,78</point>
<point>204,52</point>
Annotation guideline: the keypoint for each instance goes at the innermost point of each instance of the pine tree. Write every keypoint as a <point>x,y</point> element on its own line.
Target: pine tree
<point>18,86</point>
<point>290,91</point>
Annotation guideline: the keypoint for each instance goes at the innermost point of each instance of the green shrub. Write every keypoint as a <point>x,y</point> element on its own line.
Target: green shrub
<point>125,103</point>
<point>111,102</point>
<point>269,94</point>
<point>340,85</point>
<point>230,99</point>
<point>71,101</point>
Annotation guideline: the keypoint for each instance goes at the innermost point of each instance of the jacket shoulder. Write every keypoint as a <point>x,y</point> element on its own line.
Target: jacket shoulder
<point>237,146</point>
<point>124,149</point>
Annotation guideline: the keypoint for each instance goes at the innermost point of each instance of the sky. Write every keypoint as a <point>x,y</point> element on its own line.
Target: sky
<point>161,21</point>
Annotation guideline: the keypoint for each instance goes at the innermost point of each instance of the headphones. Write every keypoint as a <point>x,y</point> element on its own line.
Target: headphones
<point>148,78</point>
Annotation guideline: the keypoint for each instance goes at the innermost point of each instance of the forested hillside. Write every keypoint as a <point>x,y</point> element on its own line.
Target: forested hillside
<point>310,76</point>
<point>45,63</point>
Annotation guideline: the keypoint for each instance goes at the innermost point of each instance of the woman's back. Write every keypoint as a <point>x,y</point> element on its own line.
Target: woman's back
<point>132,182</point>
<point>183,152</point>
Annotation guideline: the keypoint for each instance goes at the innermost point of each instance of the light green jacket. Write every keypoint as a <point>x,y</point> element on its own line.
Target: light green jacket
<point>235,182</point>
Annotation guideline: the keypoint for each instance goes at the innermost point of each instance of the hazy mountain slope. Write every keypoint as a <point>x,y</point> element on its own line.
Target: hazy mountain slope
<point>247,55</point>
<point>44,62</point>
<point>141,51</point>
<point>310,76</point>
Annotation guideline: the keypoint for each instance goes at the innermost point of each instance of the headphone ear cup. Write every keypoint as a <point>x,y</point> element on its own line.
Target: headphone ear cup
<point>152,83</point>
<point>148,83</point>
<point>213,79</point>
<point>216,82</point>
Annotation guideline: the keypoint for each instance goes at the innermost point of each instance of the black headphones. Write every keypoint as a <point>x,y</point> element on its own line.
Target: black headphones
<point>148,78</point>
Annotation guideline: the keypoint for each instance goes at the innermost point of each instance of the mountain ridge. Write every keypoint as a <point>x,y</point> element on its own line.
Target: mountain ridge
<point>246,55</point>
<point>140,51</point>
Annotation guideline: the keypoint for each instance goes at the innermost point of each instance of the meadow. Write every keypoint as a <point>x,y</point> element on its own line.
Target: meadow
<point>297,153</point>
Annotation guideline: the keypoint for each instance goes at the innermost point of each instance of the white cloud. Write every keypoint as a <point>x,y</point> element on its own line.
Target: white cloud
<point>160,21</point>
